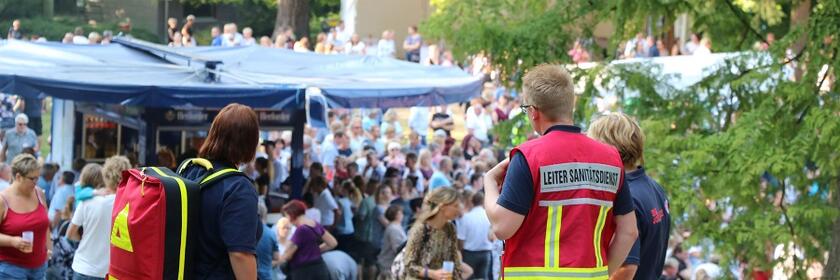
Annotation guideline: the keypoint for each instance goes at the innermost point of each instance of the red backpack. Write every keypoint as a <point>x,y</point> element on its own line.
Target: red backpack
<point>152,221</point>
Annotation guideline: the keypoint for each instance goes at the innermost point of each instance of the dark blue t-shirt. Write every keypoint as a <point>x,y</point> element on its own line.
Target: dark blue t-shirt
<point>518,190</point>
<point>654,222</point>
<point>229,223</point>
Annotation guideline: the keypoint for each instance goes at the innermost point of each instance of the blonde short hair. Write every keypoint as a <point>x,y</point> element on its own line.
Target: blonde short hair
<point>622,132</point>
<point>91,176</point>
<point>549,88</point>
<point>24,164</point>
<point>112,170</point>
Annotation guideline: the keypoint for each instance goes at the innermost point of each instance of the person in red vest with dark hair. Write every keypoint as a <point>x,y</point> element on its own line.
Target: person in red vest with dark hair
<point>563,211</point>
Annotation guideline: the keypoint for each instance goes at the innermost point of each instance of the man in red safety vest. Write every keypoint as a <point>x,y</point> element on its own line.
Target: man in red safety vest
<point>564,211</point>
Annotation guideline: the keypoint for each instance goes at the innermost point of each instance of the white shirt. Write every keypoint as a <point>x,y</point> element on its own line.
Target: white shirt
<point>80,40</point>
<point>474,229</point>
<point>357,144</point>
<point>325,203</point>
<point>4,184</point>
<point>328,154</point>
<point>312,213</point>
<point>386,48</point>
<point>421,182</point>
<point>690,47</point>
<point>94,251</point>
<point>357,49</point>
<point>419,120</point>
<point>237,40</point>
<point>480,124</point>
<point>281,172</point>
<point>702,50</point>
<point>712,270</point>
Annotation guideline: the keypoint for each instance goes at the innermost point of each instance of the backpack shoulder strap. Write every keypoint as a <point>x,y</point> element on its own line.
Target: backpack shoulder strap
<point>213,175</point>
<point>217,175</point>
<point>197,161</point>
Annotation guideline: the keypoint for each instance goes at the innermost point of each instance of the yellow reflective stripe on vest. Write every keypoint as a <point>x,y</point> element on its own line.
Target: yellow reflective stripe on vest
<point>596,239</point>
<point>183,246</point>
<point>218,173</point>
<point>555,273</point>
<point>552,231</point>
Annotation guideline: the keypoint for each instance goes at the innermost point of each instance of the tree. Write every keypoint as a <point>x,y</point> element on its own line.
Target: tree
<point>292,14</point>
<point>748,157</point>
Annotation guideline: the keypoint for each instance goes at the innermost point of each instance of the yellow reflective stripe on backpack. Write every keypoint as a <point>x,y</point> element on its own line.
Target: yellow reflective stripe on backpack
<point>198,161</point>
<point>217,174</point>
<point>120,237</point>
<point>183,246</point>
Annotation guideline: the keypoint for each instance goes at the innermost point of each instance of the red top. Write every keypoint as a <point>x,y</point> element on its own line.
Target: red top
<point>15,224</point>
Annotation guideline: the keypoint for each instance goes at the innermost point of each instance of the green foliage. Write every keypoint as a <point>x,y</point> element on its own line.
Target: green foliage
<point>257,14</point>
<point>260,15</point>
<point>12,9</point>
<point>709,144</point>
<point>55,28</point>
<point>512,132</point>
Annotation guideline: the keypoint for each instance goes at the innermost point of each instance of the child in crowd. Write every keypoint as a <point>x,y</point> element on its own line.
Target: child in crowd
<point>393,239</point>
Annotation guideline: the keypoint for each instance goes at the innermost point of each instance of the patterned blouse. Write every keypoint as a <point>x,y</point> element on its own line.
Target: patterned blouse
<point>440,245</point>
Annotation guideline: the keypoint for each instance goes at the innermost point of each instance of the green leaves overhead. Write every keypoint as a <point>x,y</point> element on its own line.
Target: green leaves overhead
<point>750,158</point>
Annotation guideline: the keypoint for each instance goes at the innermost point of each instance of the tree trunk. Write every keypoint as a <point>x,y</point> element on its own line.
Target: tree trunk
<point>832,268</point>
<point>294,14</point>
<point>799,17</point>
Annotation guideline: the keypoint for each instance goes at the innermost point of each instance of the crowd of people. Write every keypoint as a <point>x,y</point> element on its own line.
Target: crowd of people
<point>335,41</point>
<point>381,201</point>
<point>642,46</point>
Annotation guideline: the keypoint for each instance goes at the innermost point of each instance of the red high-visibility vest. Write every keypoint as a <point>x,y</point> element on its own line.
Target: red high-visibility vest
<point>568,229</point>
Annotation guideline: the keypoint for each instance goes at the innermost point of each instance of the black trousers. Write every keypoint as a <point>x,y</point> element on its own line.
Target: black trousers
<point>316,270</point>
<point>481,263</point>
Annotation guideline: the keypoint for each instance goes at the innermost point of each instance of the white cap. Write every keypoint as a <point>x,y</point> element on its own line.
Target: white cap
<point>393,145</point>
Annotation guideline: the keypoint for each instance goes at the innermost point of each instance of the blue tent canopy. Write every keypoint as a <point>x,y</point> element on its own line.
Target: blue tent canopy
<point>134,72</point>
<point>121,75</point>
<point>346,80</point>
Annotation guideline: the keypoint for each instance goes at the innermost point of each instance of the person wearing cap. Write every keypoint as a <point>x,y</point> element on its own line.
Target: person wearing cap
<point>564,210</point>
<point>19,138</point>
<point>395,158</point>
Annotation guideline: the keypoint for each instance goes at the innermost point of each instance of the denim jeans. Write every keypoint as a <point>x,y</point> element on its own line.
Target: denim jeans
<point>79,276</point>
<point>13,272</point>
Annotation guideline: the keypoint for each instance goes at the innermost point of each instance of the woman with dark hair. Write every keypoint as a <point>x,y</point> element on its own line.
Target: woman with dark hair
<point>308,242</point>
<point>471,146</point>
<point>230,225</point>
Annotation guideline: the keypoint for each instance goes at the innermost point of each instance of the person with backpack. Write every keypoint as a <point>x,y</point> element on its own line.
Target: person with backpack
<point>229,223</point>
<point>308,242</point>
<point>94,215</point>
